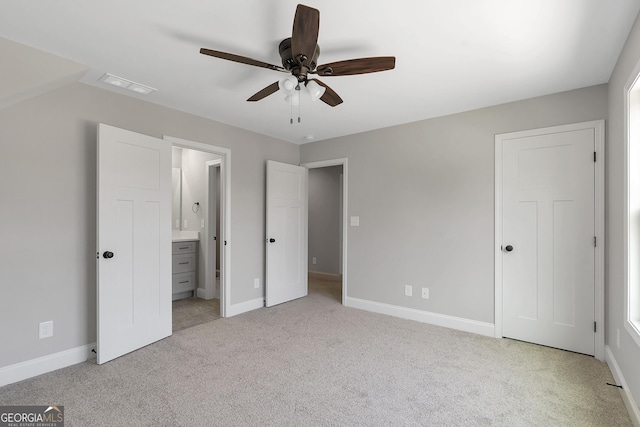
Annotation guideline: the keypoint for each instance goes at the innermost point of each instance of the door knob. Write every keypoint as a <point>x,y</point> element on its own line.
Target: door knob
<point>107,254</point>
<point>508,248</point>
<point>272,240</point>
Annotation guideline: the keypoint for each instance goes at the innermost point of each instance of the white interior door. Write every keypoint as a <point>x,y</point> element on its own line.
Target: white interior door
<point>286,251</point>
<point>548,239</point>
<point>133,242</point>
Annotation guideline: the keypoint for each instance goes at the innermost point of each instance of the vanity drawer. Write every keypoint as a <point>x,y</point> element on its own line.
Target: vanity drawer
<point>183,263</point>
<point>183,247</point>
<point>183,282</point>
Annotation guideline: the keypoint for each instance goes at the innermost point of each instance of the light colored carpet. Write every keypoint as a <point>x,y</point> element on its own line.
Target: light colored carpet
<point>315,362</point>
<point>190,312</point>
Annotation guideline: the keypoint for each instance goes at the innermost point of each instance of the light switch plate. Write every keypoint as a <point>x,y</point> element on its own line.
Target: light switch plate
<point>355,221</point>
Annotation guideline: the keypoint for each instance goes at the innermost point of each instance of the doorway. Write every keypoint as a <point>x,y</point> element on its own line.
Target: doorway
<point>549,237</point>
<point>214,224</point>
<point>195,292</point>
<point>328,226</point>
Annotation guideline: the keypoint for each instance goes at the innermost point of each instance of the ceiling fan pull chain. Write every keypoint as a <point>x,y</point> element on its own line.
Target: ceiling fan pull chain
<point>291,110</point>
<point>299,101</point>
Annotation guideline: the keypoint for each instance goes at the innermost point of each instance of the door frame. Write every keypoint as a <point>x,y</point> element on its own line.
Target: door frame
<point>345,203</point>
<point>209,286</point>
<point>599,185</point>
<point>225,213</point>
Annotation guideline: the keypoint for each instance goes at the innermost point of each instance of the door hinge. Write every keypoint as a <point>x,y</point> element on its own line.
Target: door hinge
<point>595,327</point>
<point>595,241</point>
<point>594,156</point>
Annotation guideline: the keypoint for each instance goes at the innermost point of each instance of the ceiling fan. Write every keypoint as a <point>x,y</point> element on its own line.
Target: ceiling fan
<point>299,55</point>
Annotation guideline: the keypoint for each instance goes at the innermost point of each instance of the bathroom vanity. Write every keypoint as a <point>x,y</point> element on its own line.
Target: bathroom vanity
<point>184,265</point>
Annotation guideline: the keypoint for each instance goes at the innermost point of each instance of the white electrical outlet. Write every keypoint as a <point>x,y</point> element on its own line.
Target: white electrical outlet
<point>186,224</point>
<point>46,329</point>
<point>408,290</point>
<point>425,293</point>
<point>618,338</point>
<point>177,224</point>
<point>256,283</point>
<point>355,221</point>
<point>202,223</point>
<point>313,260</point>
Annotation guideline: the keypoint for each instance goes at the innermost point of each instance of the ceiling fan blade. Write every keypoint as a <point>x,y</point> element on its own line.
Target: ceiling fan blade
<point>330,97</point>
<point>272,88</point>
<point>357,66</point>
<point>304,39</point>
<point>241,59</point>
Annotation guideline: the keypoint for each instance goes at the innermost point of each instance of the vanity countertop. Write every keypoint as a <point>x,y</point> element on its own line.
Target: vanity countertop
<point>184,236</point>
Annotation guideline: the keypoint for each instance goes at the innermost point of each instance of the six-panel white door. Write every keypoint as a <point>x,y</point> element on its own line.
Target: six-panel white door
<point>548,239</point>
<point>133,241</point>
<point>286,246</point>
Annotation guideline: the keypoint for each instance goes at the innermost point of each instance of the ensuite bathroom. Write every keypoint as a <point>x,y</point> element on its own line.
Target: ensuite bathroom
<point>195,227</point>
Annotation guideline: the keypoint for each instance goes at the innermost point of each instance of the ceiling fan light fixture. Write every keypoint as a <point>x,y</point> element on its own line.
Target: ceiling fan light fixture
<point>315,90</point>
<point>293,98</point>
<point>288,84</point>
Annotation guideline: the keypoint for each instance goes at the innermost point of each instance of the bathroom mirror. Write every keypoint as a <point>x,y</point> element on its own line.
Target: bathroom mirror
<point>176,179</point>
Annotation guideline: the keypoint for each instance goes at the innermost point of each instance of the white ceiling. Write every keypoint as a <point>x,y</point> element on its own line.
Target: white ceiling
<point>452,56</point>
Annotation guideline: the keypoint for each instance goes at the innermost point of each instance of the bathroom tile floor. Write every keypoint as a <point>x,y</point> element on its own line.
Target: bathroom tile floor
<point>190,312</point>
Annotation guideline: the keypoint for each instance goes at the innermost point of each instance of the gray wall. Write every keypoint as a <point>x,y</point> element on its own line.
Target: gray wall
<point>628,355</point>
<point>324,219</point>
<point>424,193</point>
<point>48,215</point>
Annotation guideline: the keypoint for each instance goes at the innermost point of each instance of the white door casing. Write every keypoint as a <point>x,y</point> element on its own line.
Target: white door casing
<point>286,239</point>
<point>548,283</point>
<point>133,223</point>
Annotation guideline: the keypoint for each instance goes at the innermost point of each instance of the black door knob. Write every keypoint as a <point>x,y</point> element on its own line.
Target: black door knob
<point>107,254</point>
<point>272,240</point>
<point>508,248</point>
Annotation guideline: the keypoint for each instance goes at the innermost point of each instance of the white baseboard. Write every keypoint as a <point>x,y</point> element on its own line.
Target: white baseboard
<point>629,402</point>
<point>244,307</point>
<point>473,326</point>
<point>31,368</point>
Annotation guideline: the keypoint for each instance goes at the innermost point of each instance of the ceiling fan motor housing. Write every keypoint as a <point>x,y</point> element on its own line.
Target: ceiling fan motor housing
<point>289,63</point>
